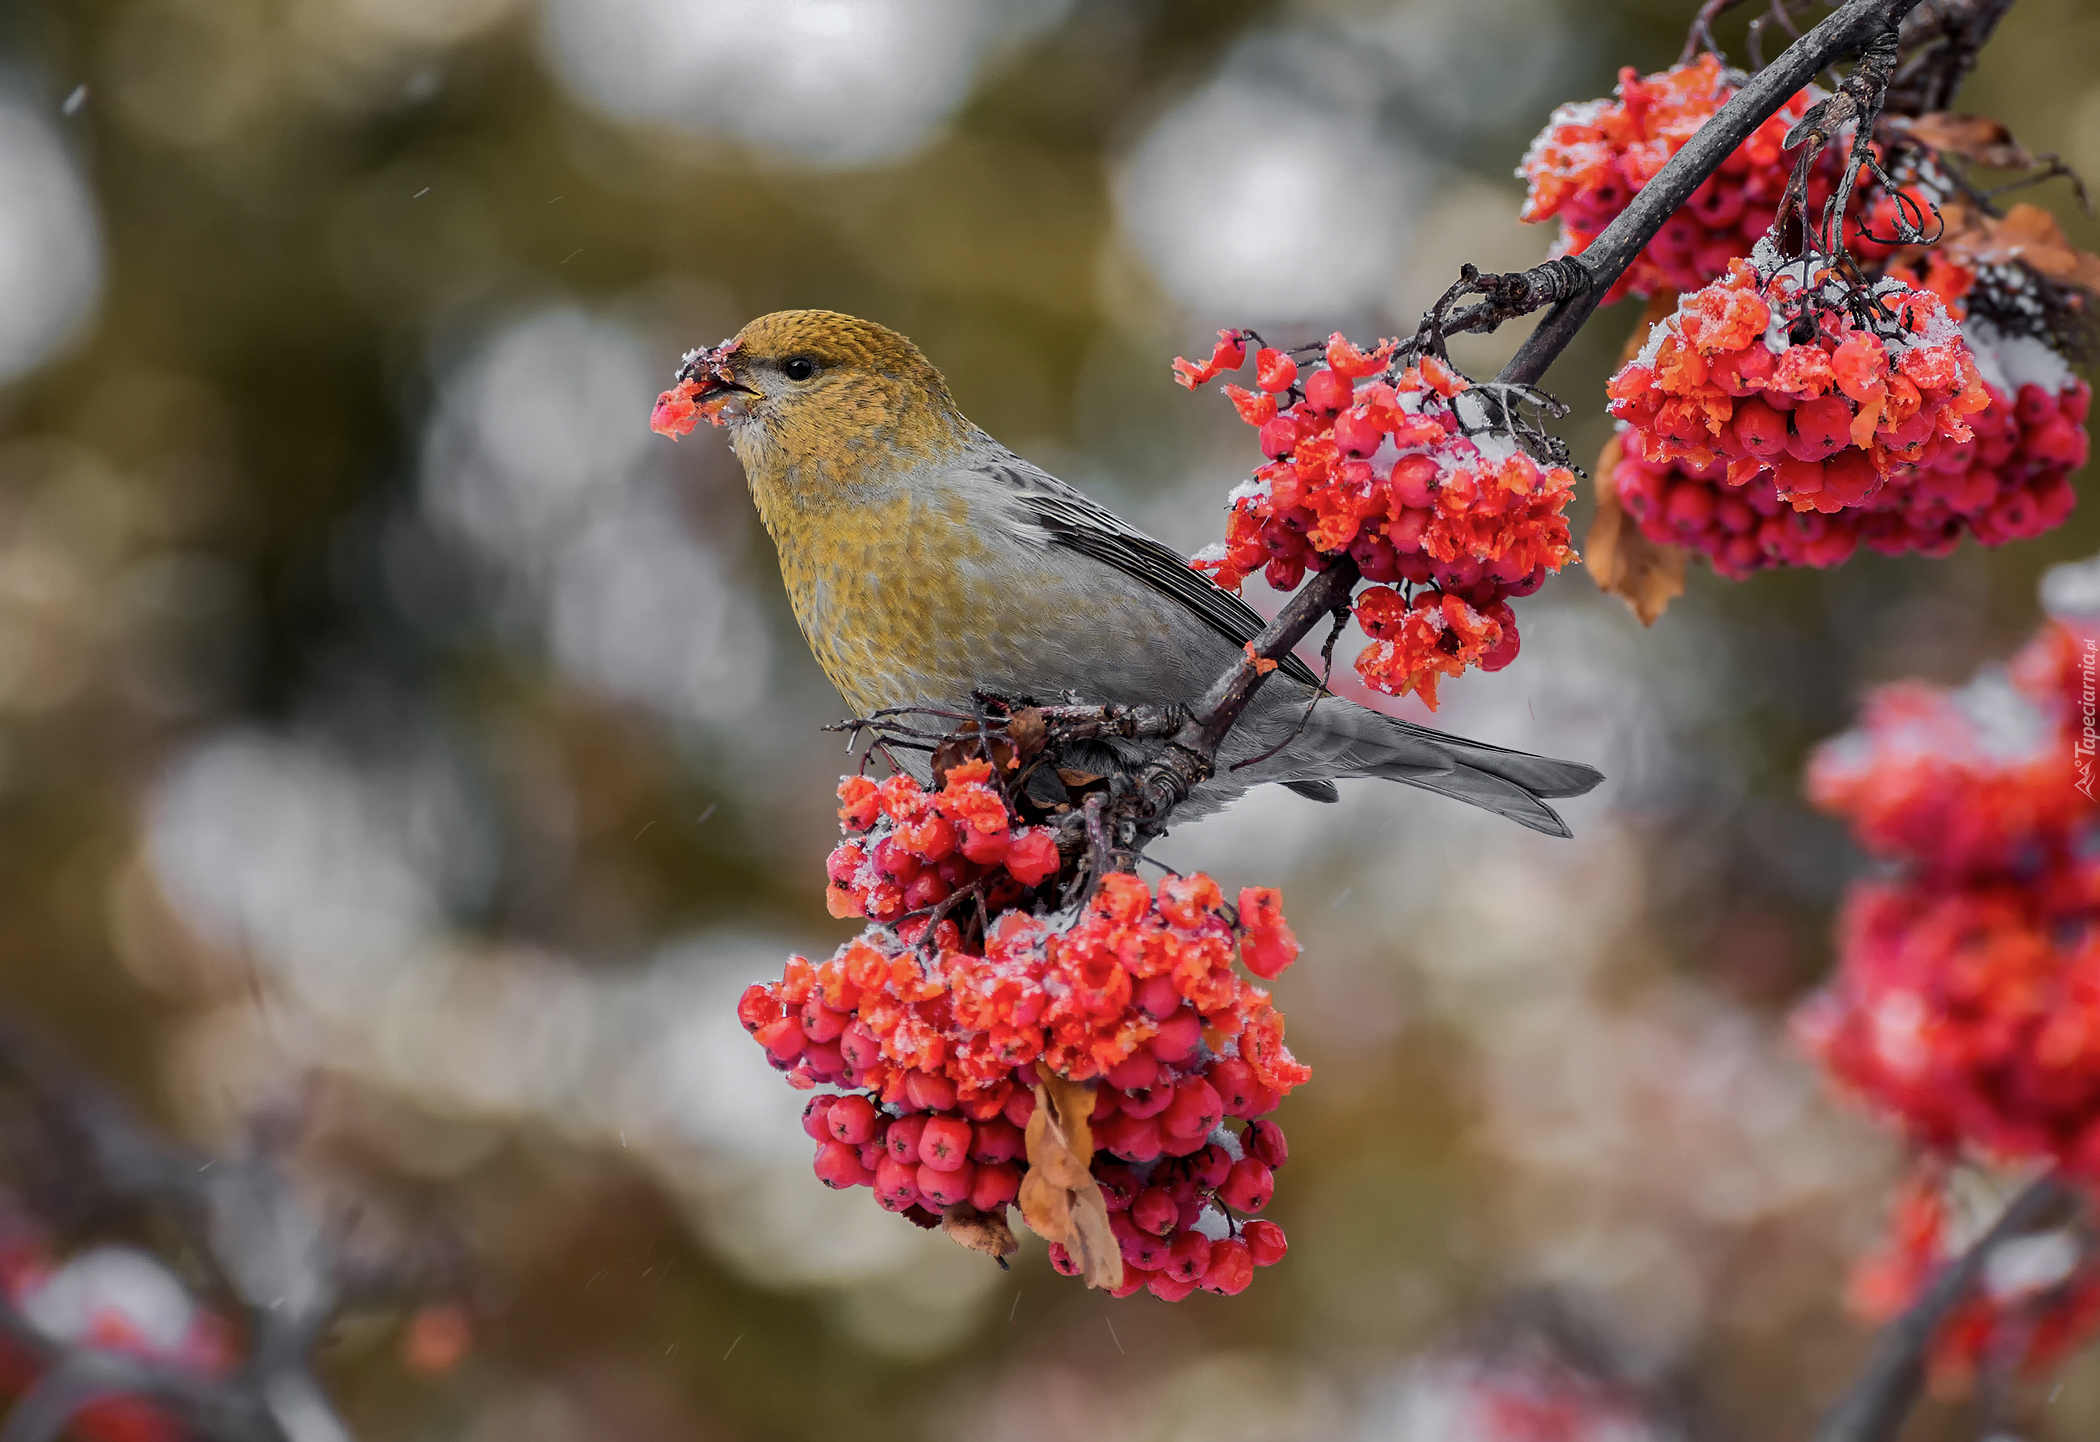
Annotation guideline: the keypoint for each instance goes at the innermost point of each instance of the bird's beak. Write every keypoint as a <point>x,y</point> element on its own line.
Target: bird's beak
<point>706,389</point>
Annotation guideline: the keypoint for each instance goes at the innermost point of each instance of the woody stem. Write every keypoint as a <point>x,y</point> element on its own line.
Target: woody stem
<point>1573,286</point>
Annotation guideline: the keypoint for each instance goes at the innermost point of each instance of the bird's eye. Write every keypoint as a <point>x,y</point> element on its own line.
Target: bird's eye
<point>801,368</point>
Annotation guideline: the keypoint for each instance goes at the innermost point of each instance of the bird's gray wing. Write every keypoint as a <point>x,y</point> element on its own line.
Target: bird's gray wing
<point>1346,739</point>
<point>1067,518</point>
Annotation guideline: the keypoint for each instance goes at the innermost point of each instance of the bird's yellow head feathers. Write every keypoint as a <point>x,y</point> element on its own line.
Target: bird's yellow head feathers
<point>814,398</point>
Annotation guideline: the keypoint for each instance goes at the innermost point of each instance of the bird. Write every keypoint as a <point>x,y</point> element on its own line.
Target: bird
<point>926,563</point>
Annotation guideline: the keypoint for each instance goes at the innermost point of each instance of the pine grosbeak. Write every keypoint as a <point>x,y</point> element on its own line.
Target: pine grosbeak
<point>925,561</point>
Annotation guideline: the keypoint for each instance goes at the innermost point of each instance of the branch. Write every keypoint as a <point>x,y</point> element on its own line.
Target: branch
<point>1846,33</point>
<point>1884,1393</point>
<point>1572,286</point>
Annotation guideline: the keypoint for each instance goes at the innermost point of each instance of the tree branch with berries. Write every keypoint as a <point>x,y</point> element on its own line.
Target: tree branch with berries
<point>1847,342</point>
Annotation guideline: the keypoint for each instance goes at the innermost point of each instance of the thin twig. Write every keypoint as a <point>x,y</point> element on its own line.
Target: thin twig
<point>1887,1388</point>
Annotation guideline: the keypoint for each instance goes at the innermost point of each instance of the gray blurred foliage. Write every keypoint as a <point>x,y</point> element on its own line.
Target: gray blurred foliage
<point>387,717</point>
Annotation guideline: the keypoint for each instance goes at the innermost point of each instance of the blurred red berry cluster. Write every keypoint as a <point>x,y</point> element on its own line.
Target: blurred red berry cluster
<point>1594,157</point>
<point>1758,451</point>
<point>113,1299</point>
<point>939,1037</point>
<point>1412,474</point>
<point>2037,1302</point>
<point>1966,1001</point>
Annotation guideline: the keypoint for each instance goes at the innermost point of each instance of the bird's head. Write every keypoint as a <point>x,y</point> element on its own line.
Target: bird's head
<point>815,394</point>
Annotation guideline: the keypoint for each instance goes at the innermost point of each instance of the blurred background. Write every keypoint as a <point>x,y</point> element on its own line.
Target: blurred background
<point>393,729</point>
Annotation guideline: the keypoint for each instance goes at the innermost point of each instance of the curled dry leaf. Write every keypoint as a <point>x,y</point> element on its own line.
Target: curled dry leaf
<point>1973,137</point>
<point>1621,559</point>
<point>2027,234</point>
<point>1059,1198</point>
<point>985,1232</point>
<point>1028,732</point>
<point>1646,574</point>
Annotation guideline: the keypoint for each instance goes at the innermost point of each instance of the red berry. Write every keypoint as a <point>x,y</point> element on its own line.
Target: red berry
<point>996,1184</point>
<point>929,1093</point>
<point>1188,1257</point>
<point>756,1007</point>
<point>1265,1140</point>
<point>1231,1268</point>
<point>1249,1186</point>
<point>1135,1073</point>
<point>1134,1280</point>
<point>1265,1242</point>
<point>1135,1139</point>
<point>997,1140</point>
<point>813,1114</point>
<point>1234,1082</point>
<point>1822,428</point>
<point>1155,995</point>
<point>944,1144</point>
<point>839,1166</point>
<point>1119,1186</point>
<point>1329,392</point>
<point>1149,1103</point>
<point>1195,1111</point>
<point>859,1047</point>
<point>1177,1039</point>
<point>1140,1248</point>
<point>1209,1167</point>
<point>901,1141</point>
<point>1154,1211</point>
<point>782,1038</point>
<point>1020,1106</point>
<point>1031,857</point>
<point>1107,1102</point>
<point>1061,1261</point>
<point>896,1184</point>
<point>945,1186</point>
<point>820,1023</point>
<point>1168,1289</point>
<point>853,1119</point>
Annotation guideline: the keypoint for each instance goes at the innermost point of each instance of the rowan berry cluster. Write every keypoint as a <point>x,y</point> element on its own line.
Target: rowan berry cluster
<point>1895,434</point>
<point>1966,1001</point>
<point>1414,473</point>
<point>1967,997</point>
<point>1594,157</point>
<point>112,1299</point>
<point>2038,1301</point>
<point>940,1037</point>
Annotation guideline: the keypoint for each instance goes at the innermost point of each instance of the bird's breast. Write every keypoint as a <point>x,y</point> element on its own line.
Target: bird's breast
<point>903,601</point>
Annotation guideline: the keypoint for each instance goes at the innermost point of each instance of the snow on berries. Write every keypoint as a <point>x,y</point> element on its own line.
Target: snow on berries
<point>972,1000</point>
<point>1594,157</point>
<point>1415,475</point>
<point>1895,433</point>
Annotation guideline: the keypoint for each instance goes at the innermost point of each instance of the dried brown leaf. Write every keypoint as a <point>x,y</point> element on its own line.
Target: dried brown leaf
<point>1974,137</point>
<point>1059,1198</point>
<point>1076,779</point>
<point>1028,731</point>
<point>1621,559</point>
<point>964,746</point>
<point>2026,235</point>
<point>985,1232</point>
